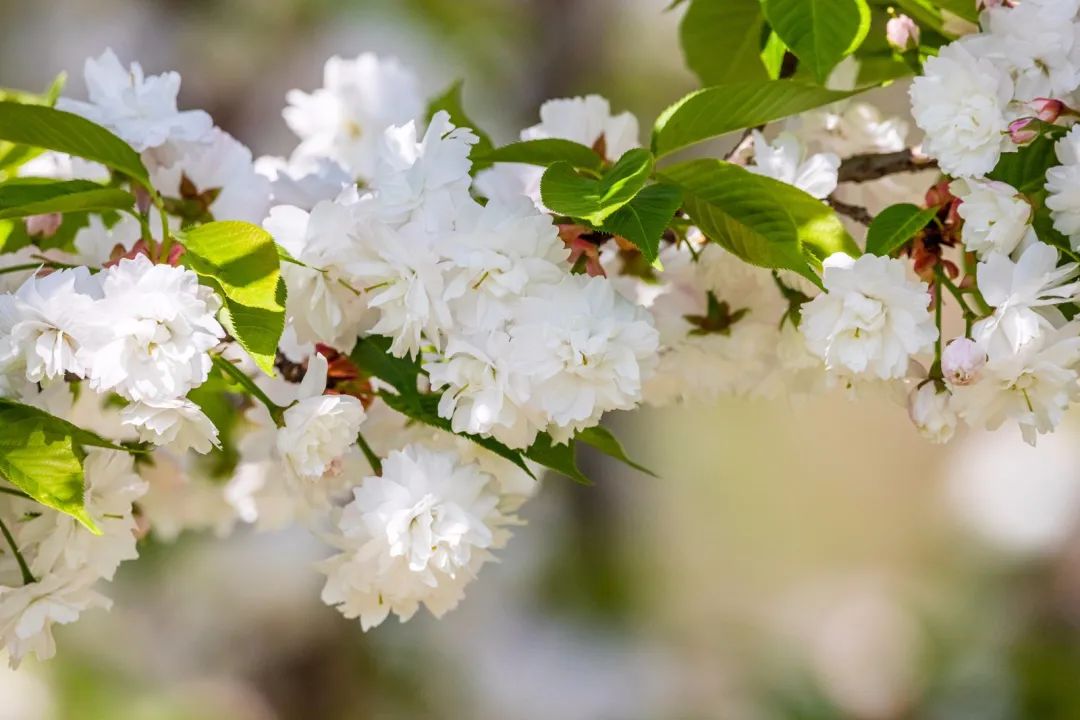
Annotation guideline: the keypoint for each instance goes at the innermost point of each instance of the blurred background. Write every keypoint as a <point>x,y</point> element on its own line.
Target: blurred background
<point>809,561</point>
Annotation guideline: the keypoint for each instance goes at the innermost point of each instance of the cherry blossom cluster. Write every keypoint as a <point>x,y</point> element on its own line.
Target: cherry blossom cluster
<point>387,237</point>
<point>993,96</point>
<point>438,322</point>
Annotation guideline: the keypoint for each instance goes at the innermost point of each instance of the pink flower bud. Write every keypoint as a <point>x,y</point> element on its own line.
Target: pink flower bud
<point>962,362</point>
<point>1021,131</point>
<point>902,33</point>
<point>44,226</point>
<point>1047,109</point>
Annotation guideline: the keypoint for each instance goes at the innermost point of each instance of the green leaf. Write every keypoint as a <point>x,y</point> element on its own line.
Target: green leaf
<point>425,410</point>
<point>773,55</point>
<point>214,398</point>
<point>643,220</point>
<point>545,152</point>
<point>895,225</point>
<point>48,98</point>
<point>603,440</point>
<point>716,111</point>
<point>761,220</point>
<point>821,33</point>
<point>560,458</point>
<point>42,455</point>
<point>721,40</point>
<point>13,156</point>
<point>23,197</point>
<point>961,8</point>
<point>240,261</point>
<point>372,355</point>
<point>52,129</point>
<point>1026,168</point>
<point>928,13</point>
<point>566,192</point>
<point>451,102</point>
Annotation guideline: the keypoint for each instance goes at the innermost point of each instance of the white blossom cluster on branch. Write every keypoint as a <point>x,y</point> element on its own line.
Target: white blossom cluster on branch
<point>386,336</point>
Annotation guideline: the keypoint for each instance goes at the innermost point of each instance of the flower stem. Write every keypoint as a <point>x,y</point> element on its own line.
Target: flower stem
<point>969,314</point>
<point>27,576</point>
<point>277,413</point>
<point>372,458</point>
<point>941,280</point>
<point>20,268</point>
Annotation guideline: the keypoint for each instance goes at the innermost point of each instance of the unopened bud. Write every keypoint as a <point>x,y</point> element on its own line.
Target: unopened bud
<point>931,412</point>
<point>43,226</point>
<point>1047,109</point>
<point>142,200</point>
<point>902,33</point>
<point>939,195</point>
<point>1022,131</point>
<point>175,253</point>
<point>962,362</point>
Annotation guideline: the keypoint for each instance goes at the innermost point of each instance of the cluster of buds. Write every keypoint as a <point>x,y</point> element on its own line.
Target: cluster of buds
<point>1046,112</point>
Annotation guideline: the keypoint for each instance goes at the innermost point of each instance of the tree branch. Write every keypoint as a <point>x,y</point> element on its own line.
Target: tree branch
<point>864,168</point>
<point>855,212</point>
<point>741,153</point>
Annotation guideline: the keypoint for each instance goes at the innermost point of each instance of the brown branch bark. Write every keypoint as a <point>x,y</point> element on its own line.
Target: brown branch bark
<point>864,168</point>
<point>743,150</point>
<point>855,212</point>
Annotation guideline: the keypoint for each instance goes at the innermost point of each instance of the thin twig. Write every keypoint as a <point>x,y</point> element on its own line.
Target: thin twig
<point>855,212</point>
<point>872,166</point>
<point>16,493</point>
<point>27,576</point>
<point>740,154</point>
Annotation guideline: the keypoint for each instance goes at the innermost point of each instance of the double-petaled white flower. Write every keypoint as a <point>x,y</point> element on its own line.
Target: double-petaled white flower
<point>1023,294</point>
<point>585,349</point>
<point>871,319</point>
<point>176,422</point>
<point>996,217</point>
<point>1037,42</point>
<point>404,278</point>
<point>1063,187</point>
<point>319,429</point>
<point>345,118</point>
<point>416,535</point>
<point>321,305</point>
<point>154,328</point>
<point>1032,386</point>
<point>718,319</point>
<point>786,159</point>
<point>586,120</point>
<point>498,253</point>
<point>140,109</point>
<point>482,391</point>
<point>960,101</point>
<point>46,322</point>
<point>303,182</point>
<point>424,180</point>
<point>215,176</point>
